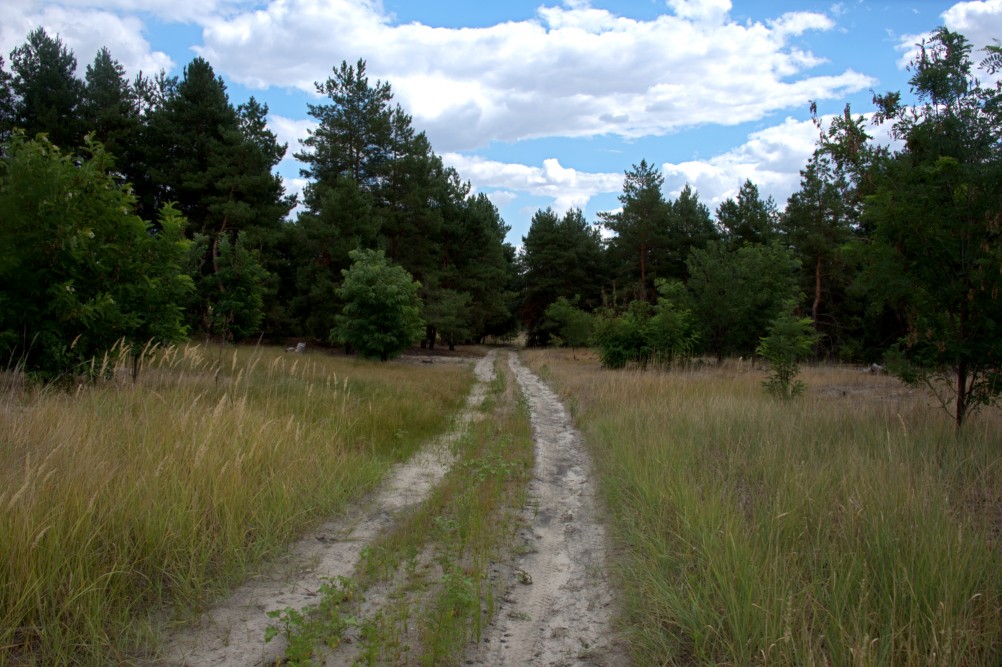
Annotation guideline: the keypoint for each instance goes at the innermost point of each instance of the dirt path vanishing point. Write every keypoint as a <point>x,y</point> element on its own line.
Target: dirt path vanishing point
<point>232,632</point>
<point>558,610</point>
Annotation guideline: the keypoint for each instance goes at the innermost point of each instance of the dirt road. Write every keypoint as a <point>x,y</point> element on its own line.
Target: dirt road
<point>559,608</point>
<point>232,632</point>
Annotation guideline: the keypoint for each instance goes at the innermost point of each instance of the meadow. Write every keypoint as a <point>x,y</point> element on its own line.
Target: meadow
<point>851,526</point>
<point>126,505</point>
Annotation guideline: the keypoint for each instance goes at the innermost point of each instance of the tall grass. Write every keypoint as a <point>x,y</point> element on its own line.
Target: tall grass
<point>121,499</point>
<point>849,527</point>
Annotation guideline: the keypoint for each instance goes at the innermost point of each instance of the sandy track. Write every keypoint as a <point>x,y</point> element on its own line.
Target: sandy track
<point>558,610</point>
<point>232,632</point>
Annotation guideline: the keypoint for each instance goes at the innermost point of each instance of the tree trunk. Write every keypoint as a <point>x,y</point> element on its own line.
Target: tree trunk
<point>961,412</point>
<point>816,307</point>
<point>643,270</point>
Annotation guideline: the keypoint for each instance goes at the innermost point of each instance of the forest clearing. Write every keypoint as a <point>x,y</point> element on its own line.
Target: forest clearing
<point>716,524</point>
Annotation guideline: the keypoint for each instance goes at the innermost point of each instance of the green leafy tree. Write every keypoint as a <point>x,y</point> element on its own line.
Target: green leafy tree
<point>230,298</point>
<point>110,110</point>
<point>323,239</point>
<point>566,324</point>
<point>79,270</point>
<point>935,252</point>
<point>6,103</point>
<point>736,293</point>
<point>381,316</point>
<point>640,228</point>
<point>790,340</point>
<point>446,313</point>
<point>475,259</point>
<point>661,334</point>
<point>47,94</point>
<point>818,223</point>
<point>354,131</point>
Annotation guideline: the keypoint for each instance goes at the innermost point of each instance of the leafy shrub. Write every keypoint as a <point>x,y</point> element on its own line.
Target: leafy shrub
<point>790,339</point>
<point>646,334</point>
<point>382,311</point>
<point>566,324</point>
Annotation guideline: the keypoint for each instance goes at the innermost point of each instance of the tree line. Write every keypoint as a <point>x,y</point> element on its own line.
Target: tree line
<point>149,209</point>
<point>887,255</point>
<point>194,224</point>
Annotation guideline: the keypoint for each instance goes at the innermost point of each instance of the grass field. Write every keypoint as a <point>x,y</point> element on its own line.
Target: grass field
<point>119,501</point>
<point>849,527</point>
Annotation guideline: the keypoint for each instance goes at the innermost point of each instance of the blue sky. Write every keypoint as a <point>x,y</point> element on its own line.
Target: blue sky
<point>544,103</point>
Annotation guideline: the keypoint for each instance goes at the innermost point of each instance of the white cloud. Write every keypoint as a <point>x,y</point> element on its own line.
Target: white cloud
<point>84,31</point>
<point>573,71</point>
<point>290,131</point>
<point>707,11</point>
<point>771,158</point>
<point>980,22</point>
<point>568,188</point>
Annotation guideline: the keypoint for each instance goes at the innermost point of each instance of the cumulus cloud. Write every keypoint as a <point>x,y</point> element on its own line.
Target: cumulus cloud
<point>771,158</point>
<point>567,188</point>
<point>980,21</point>
<point>84,31</point>
<point>572,71</point>
<point>290,131</point>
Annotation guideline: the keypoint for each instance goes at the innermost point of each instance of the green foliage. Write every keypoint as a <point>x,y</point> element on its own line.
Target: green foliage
<point>231,284</point>
<point>322,624</point>
<point>748,219</point>
<point>644,334</point>
<point>790,340</point>
<point>736,293</point>
<point>446,311</point>
<point>47,95</point>
<point>566,324</point>
<point>79,270</point>
<point>640,227</point>
<point>382,311</point>
<point>561,257</point>
<point>935,255</point>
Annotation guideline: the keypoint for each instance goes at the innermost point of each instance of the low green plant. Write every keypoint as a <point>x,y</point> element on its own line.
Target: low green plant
<point>661,334</point>
<point>321,624</point>
<point>790,340</point>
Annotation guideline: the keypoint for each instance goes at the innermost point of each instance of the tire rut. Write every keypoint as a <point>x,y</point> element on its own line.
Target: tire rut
<point>232,632</point>
<point>559,608</point>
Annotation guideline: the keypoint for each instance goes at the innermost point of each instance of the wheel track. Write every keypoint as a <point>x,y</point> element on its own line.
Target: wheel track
<point>232,632</point>
<point>558,610</point>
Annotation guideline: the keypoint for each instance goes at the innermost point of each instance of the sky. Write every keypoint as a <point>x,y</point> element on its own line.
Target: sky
<point>544,103</point>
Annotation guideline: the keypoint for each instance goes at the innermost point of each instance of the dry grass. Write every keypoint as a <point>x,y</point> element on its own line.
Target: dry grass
<point>850,527</point>
<point>117,500</point>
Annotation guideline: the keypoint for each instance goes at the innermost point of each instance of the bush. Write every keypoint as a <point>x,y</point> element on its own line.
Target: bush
<point>382,311</point>
<point>790,339</point>
<point>645,334</point>
<point>79,270</point>
<point>566,324</point>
